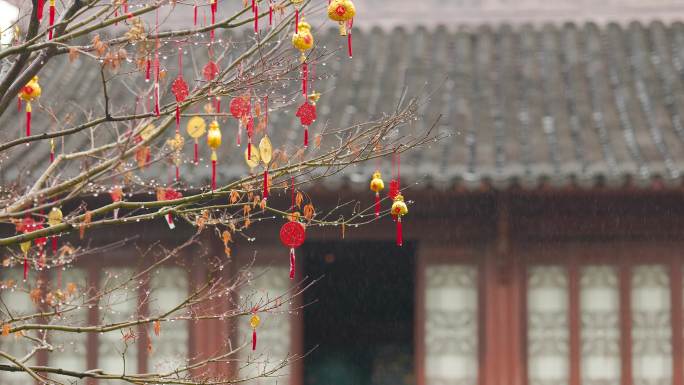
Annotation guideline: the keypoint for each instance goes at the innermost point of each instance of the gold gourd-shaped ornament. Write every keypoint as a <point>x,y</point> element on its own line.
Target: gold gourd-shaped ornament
<point>399,209</point>
<point>303,40</point>
<point>55,217</point>
<point>377,185</point>
<point>214,142</point>
<point>28,93</point>
<point>343,12</point>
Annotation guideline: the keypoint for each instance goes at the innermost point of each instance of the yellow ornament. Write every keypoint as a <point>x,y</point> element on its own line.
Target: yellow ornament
<point>399,207</point>
<point>377,184</point>
<point>341,11</point>
<point>214,136</point>
<point>25,246</point>
<point>55,217</point>
<point>303,40</point>
<point>214,141</point>
<point>28,93</point>
<point>31,90</point>
<point>265,150</point>
<point>255,157</point>
<point>196,127</point>
<point>254,321</point>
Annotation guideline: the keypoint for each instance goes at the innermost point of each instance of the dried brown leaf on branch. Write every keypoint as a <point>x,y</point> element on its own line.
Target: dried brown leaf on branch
<point>73,54</point>
<point>234,197</point>
<point>6,329</point>
<point>87,219</point>
<point>299,198</point>
<point>157,328</point>
<point>309,211</point>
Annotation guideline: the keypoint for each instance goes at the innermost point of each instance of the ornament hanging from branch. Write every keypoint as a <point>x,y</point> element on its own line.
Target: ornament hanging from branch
<point>51,19</point>
<point>196,129</point>
<point>176,144</point>
<point>168,194</point>
<point>297,6</point>
<point>180,89</point>
<point>239,108</point>
<point>292,235</point>
<point>303,40</point>
<point>55,217</point>
<point>266,153</point>
<point>377,185</point>
<point>28,93</point>
<point>254,322</point>
<point>399,209</point>
<point>27,225</point>
<point>343,12</point>
<point>214,142</point>
<point>307,115</point>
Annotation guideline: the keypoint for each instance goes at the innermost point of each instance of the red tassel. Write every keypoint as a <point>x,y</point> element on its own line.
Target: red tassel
<point>305,78</point>
<point>39,11</point>
<point>249,148</point>
<point>177,116</point>
<point>169,221</point>
<point>177,173</point>
<point>296,21</point>
<point>253,339</point>
<point>125,6</point>
<point>54,245</point>
<point>270,13</point>
<point>52,156</point>
<point>306,136</point>
<point>26,267</point>
<point>213,174</point>
<point>218,105</point>
<point>377,204</point>
<point>28,121</point>
<point>194,20</point>
<point>213,20</point>
<point>196,153</point>
<point>265,184</point>
<point>256,18</point>
<point>148,67</point>
<point>157,111</point>
<point>400,235</point>
<point>52,20</point>
<point>292,263</point>
<point>349,43</point>
<point>239,134</point>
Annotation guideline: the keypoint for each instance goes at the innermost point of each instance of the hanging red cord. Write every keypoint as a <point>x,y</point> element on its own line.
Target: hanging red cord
<point>51,18</point>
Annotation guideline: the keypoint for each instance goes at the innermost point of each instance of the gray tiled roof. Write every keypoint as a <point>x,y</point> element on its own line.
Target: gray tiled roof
<point>563,104</point>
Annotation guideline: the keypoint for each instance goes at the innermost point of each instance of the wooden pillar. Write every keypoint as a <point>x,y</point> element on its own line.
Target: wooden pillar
<point>419,318</point>
<point>505,312</point>
<point>676,316</point>
<point>625,323</point>
<point>574,322</point>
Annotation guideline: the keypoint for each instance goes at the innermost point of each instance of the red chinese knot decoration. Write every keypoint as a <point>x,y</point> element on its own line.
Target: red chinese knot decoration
<point>307,115</point>
<point>292,235</point>
<point>210,71</point>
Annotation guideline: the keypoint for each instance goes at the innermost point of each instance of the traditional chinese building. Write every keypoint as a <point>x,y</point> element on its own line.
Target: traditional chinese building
<point>543,238</point>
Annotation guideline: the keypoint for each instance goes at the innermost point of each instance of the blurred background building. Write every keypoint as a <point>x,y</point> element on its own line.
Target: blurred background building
<point>545,233</point>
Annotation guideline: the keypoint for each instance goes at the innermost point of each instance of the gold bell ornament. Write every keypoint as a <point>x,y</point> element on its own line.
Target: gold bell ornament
<point>254,322</point>
<point>399,209</point>
<point>196,128</point>
<point>343,12</point>
<point>55,217</point>
<point>214,142</point>
<point>29,93</point>
<point>377,185</point>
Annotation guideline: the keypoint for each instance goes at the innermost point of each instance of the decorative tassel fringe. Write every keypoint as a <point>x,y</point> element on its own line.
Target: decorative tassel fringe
<point>28,119</point>
<point>349,43</point>
<point>196,158</point>
<point>265,184</point>
<point>296,21</point>
<point>239,134</point>
<point>169,221</point>
<point>270,14</point>
<point>194,19</point>
<point>292,263</point>
<point>39,11</point>
<point>400,235</point>
<point>148,68</point>
<point>52,156</point>
<point>177,174</point>
<point>256,17</point>
<point>305,78</point>
<point>177,116</point>
<point>306,136</point>
<point>218,105</point>
<point>254,339</point>
<point>249,148</point>
<point>377,204</point>
<point>51,20</point>
<point>213,174</point>
<point>54,245</point>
